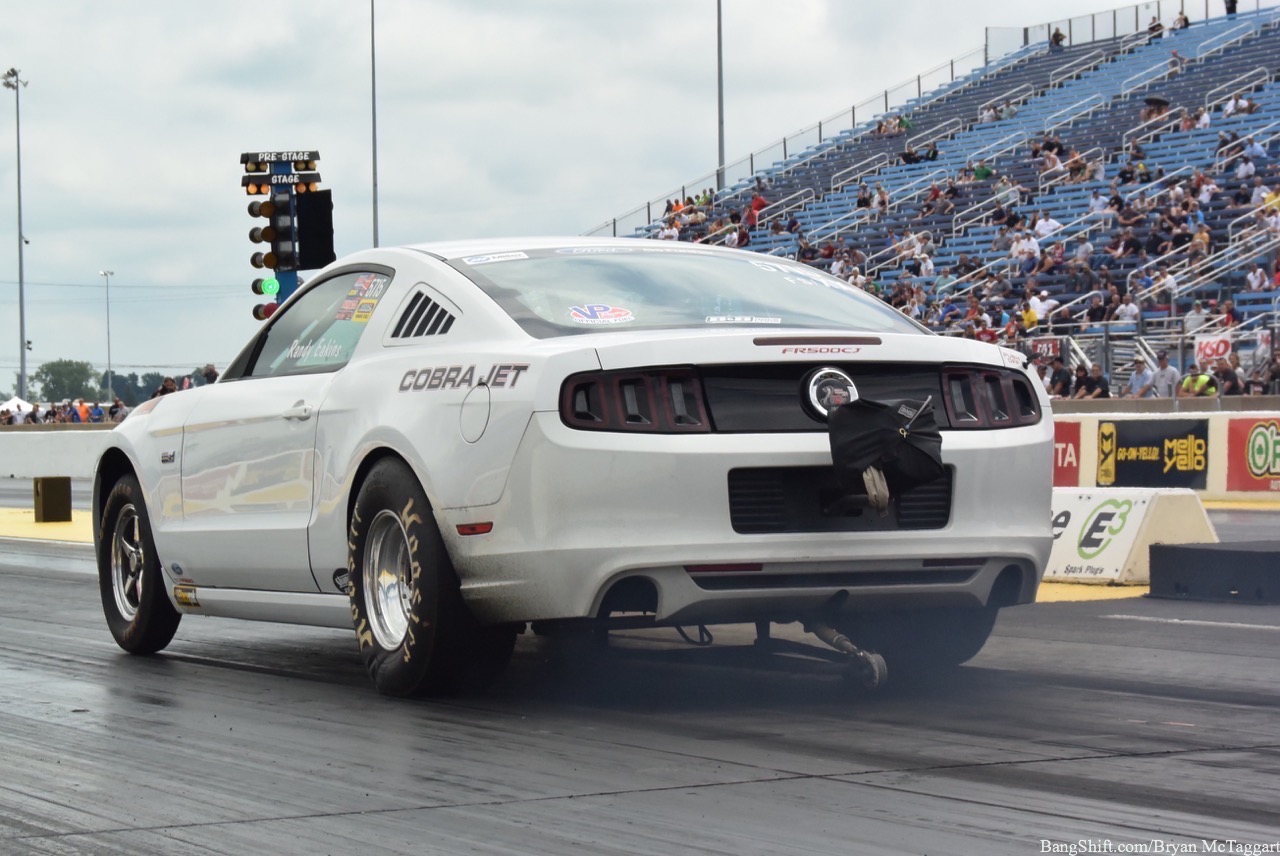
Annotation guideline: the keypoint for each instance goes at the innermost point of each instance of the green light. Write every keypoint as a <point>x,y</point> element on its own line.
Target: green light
<point>271,286</point>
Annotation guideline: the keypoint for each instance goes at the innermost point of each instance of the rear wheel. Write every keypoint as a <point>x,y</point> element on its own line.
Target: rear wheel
<point>922,641</point>
<point>416,634</point>
<point>135,603</point>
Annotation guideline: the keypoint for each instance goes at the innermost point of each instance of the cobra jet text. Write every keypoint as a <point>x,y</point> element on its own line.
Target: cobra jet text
<point>461,377</point>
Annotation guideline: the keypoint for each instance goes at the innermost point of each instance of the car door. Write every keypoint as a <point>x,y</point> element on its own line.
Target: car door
<point>248,447</point>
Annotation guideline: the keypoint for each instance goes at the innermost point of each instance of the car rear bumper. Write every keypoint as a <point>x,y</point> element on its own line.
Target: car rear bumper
<point>582,510</point>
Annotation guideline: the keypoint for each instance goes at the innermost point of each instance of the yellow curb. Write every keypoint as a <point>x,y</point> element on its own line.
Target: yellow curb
<point>1064,592</point>
<point>21,523</point>
<point>1242,504</point>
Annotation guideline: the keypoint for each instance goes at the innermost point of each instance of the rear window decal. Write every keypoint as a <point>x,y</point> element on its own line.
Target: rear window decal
<point>599,313</point>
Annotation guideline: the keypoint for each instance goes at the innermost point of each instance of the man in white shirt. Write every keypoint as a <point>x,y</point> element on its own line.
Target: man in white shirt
<point>1236,105</point>
<point>1196,318</point>
<point>1165,284</point>
<point>1164,379</point>
<point>1256,278</point>
<point>1025,252</point>
<point>1127,312</point>
<point>1084,249</point>
<point>1046,225</point>
<point>670,232</point>
<point>1042,304</point>
<point>1259,191</point>
<point>1246,169</point>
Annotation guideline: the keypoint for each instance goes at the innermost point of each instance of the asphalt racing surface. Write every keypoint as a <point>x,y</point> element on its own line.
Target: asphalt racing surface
<point>1094,724</point>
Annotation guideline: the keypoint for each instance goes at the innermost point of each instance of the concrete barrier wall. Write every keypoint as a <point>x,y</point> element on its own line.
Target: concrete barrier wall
<point>55,451</point>
<point>1218,454</point>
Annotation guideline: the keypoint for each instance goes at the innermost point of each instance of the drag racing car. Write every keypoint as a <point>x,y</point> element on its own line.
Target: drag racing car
<point>442,445</point>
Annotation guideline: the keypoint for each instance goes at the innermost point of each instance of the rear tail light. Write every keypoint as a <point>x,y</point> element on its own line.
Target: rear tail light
<point>653,401</point>
<point>988,398</point>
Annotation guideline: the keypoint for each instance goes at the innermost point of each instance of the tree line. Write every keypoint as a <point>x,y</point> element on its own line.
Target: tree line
<point>63,380</point>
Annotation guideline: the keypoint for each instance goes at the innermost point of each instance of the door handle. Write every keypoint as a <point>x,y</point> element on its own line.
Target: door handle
<point>300,411</point>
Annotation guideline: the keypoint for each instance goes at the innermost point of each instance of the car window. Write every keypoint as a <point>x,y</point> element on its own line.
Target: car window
<point>570,290</point>
<point>318,332</point>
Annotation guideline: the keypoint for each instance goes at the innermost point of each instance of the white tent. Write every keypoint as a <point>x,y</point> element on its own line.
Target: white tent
<point>16,405</point>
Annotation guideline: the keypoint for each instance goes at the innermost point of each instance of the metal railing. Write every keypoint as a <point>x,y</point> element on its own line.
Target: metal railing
<point>946,129</point>
<point>1048,182</point>
<point>1150,129</point>
<point>785,205</point>
<point>1083,107</point>
<point>862,168</point>
<point>1017,94</point>
<point>1135,40</point>
<point>1246,82</point>
<point>1075,68</point>
<point>1221,159</point>
<point>1004,145</point>
<point>1133,82</point>
<point>897,196</point>
<point>1222,41</point>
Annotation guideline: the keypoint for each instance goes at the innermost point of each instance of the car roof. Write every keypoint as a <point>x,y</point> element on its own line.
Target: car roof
<point>485,246</point>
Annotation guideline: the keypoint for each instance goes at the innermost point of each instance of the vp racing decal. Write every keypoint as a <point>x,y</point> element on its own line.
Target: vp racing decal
<point>599,313</point>
<point>461,377</point>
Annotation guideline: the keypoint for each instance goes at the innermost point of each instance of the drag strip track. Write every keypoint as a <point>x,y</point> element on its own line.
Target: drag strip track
<point>1078,722</point>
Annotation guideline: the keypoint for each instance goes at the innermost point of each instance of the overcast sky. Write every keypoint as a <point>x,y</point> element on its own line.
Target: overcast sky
<point>495,117</point>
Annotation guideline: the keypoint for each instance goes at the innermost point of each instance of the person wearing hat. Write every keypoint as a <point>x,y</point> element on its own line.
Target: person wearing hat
<point>1059,379</point>
<point>1141,381</point>
<point>1165,377</point>
<point>1042,304</point>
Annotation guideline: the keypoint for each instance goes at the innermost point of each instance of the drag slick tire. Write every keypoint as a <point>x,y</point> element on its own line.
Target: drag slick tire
<point>134,600</point>
<point>923,641</point>
<point>416,635</point>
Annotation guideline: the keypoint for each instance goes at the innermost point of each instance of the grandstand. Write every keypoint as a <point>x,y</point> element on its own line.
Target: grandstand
<point>1140,119</point>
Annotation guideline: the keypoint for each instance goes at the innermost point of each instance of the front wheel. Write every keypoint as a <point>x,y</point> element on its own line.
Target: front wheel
<point>920,641</point>
<point>138,611</point>
<point>416,635</point>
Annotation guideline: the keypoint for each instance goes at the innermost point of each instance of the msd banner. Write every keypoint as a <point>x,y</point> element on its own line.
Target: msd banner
<point>1210,349</point>
<point>1253,455</point>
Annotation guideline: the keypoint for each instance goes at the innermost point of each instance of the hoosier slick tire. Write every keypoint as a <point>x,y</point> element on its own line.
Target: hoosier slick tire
<point>135,603</point>
<point>416,635</point>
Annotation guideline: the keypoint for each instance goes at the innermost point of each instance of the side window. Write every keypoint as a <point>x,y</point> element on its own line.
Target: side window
<point>319,331</point>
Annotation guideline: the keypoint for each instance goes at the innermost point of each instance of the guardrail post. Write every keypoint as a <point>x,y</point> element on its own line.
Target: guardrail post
<point>615,226</point>
<point>648,215</point>
<point>784,148</point>
<point>953,71</point>
<point>886,101</point>
<point>819,132</point>
<point>919,87</point>
<point>1071,32</point>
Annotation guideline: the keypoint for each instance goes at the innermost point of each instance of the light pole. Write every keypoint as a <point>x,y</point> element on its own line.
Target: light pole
<point>13,81</point>
<point>111,380</point>
<point>719,96</point>
<point>373,106</point>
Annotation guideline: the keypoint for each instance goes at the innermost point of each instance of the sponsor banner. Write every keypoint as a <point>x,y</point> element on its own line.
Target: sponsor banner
<point>1209,349</point>
<point>1046,347</point>
<point>1094,533</point>
<point>1066,454</point>
<point>1253,455</point>
<point>1153,453</point>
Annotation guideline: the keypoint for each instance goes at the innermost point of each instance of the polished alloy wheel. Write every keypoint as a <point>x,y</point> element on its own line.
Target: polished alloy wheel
<point>128,558</point>
<point>388,580</point>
